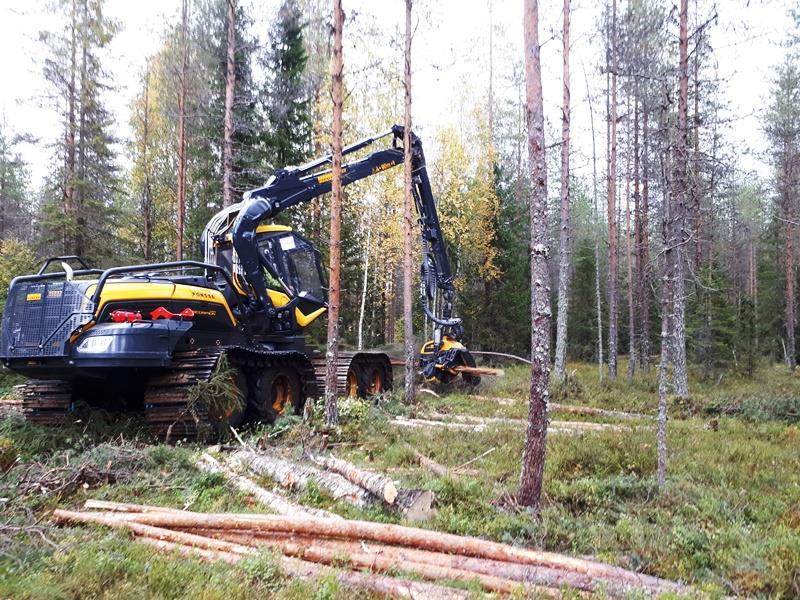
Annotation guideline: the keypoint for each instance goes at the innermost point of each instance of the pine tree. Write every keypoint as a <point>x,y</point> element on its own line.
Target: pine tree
<point>288,106</point>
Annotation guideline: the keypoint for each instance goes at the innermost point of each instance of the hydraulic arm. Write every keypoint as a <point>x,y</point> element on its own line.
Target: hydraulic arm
<point>291,186</point>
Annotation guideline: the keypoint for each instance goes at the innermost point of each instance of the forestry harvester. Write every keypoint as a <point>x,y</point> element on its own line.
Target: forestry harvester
<point>148,337</point>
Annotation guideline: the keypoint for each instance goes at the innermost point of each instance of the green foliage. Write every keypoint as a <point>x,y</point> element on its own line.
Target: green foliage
<point>16,258</point>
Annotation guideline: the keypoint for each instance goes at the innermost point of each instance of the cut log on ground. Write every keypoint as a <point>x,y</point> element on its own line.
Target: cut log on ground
<point>599,412</point>
<point>582,425</point>
<point>388,534</point>
<point>380,485</point>
<point>379,584</point>
<point>269,499</point>
<point>415,505</point>
<point>430,464</point>
<point>480,371</point>
<point>541,576</point>
<point>572,409</point>
<point>297,477</point>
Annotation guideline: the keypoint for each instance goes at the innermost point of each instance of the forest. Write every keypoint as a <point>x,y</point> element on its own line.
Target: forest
<point>624,264</point>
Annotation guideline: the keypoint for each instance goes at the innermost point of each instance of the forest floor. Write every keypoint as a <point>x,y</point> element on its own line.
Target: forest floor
<point>728,521</point>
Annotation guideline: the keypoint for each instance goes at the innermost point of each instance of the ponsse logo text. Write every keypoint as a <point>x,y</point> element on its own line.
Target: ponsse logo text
<point>204,295</point>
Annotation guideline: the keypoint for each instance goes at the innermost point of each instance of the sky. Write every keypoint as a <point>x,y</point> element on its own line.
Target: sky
<point>450,56</point>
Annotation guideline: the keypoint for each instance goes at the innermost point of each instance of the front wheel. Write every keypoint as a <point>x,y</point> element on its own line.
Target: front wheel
<point>277,393</point>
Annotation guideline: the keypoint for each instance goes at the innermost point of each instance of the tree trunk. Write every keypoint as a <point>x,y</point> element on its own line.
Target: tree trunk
<point>613,265</point>
<point>530,487</point>
<point>595,226</point>
<point>408,223</point>
<point>565,235</point>
<point>363,306</point>
<point>147,198</point>
<point>181,195</point>
<point>69,144</point>
<point>629,251</point>
<point>644,251</point>
<point>790,317</point>
<point>298,476</point>
<point>230,83</point>
<point>332,354</point>
<point>378,484</point>
<point>679,214</point>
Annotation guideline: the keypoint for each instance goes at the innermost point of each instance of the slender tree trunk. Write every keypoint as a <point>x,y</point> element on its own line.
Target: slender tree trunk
<point>408,222</point>
<point>613,264</point>
<point>629,253</point>
<point>230,84</point>
<point>595,226</point>
<point>181,195</point>
<point>644,251</point>
<point>147,198</point>
<point>363,307</point>
<point>565,236</point>
<point>83,180</point>
<point>790,316</point>
<point>679,214</point>
<point>332,355</point>
<point>531,478</point>
<point>69,175</point>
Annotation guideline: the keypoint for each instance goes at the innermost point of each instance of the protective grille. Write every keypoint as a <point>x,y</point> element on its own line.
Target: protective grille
<point>40,316</point>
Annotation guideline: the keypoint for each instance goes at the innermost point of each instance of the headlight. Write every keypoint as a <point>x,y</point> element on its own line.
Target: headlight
<point>96,344</point>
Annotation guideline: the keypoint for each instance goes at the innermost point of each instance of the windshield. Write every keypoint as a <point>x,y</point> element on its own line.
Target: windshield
<point>296,264</point>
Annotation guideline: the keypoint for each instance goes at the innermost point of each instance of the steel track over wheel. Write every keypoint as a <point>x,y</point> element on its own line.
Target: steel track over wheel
<point>41,401</point>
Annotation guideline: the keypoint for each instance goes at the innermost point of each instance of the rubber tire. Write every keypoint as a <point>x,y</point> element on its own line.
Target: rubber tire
<point>261,407</point>
<point>370,371</point>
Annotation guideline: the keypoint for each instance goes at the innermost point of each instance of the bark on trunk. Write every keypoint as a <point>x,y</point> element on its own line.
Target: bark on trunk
<point>565,234</point>
<point>377,483</point>
<point>265,497</point>
<point>296,476</point>
<point>147,197</point>
<point>679,214</point>
<point>790,318</point>
<point>613,265</point>
<point>363,307</point>
<point>629,253</point>
<point>182,91</point>
<point>398,535</point>
<point>644,250</point>
<point>531,476</point>
<point>595,226</point>
<point>230,84</point>
<point>332,354</point>
<point>408,224</point>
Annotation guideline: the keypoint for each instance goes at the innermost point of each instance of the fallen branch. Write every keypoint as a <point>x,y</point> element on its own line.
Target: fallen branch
<point>476,459</point>
<point>271,500</point>
<point>377,483</point>
<point>297,477</point>
<point>427,391</point>
<point>430,464</point>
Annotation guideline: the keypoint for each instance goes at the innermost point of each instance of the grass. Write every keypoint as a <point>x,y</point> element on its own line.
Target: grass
<point>727,522</point>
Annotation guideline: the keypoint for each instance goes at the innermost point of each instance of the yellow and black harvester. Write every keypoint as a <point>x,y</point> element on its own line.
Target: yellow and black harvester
<point>142,338</point>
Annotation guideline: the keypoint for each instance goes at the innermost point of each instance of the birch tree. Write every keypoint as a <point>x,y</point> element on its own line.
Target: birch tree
<point>565,236</point>
<point>230,84</point>
<point>533,455</point>
<point>408,221</point>
<point>611,181</point>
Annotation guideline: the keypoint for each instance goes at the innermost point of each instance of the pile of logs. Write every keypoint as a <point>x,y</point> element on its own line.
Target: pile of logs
<point>364,553</point>
<point>339,479</point>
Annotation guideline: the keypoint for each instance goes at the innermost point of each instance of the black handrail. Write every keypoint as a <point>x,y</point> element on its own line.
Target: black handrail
<point>153,268</point>
<point>52,259</point>
<point>54,275</point>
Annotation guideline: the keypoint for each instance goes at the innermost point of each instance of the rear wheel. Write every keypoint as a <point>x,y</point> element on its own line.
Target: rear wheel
<point>376,380</point>
<point>277,393</point>
<point>352,383</point>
